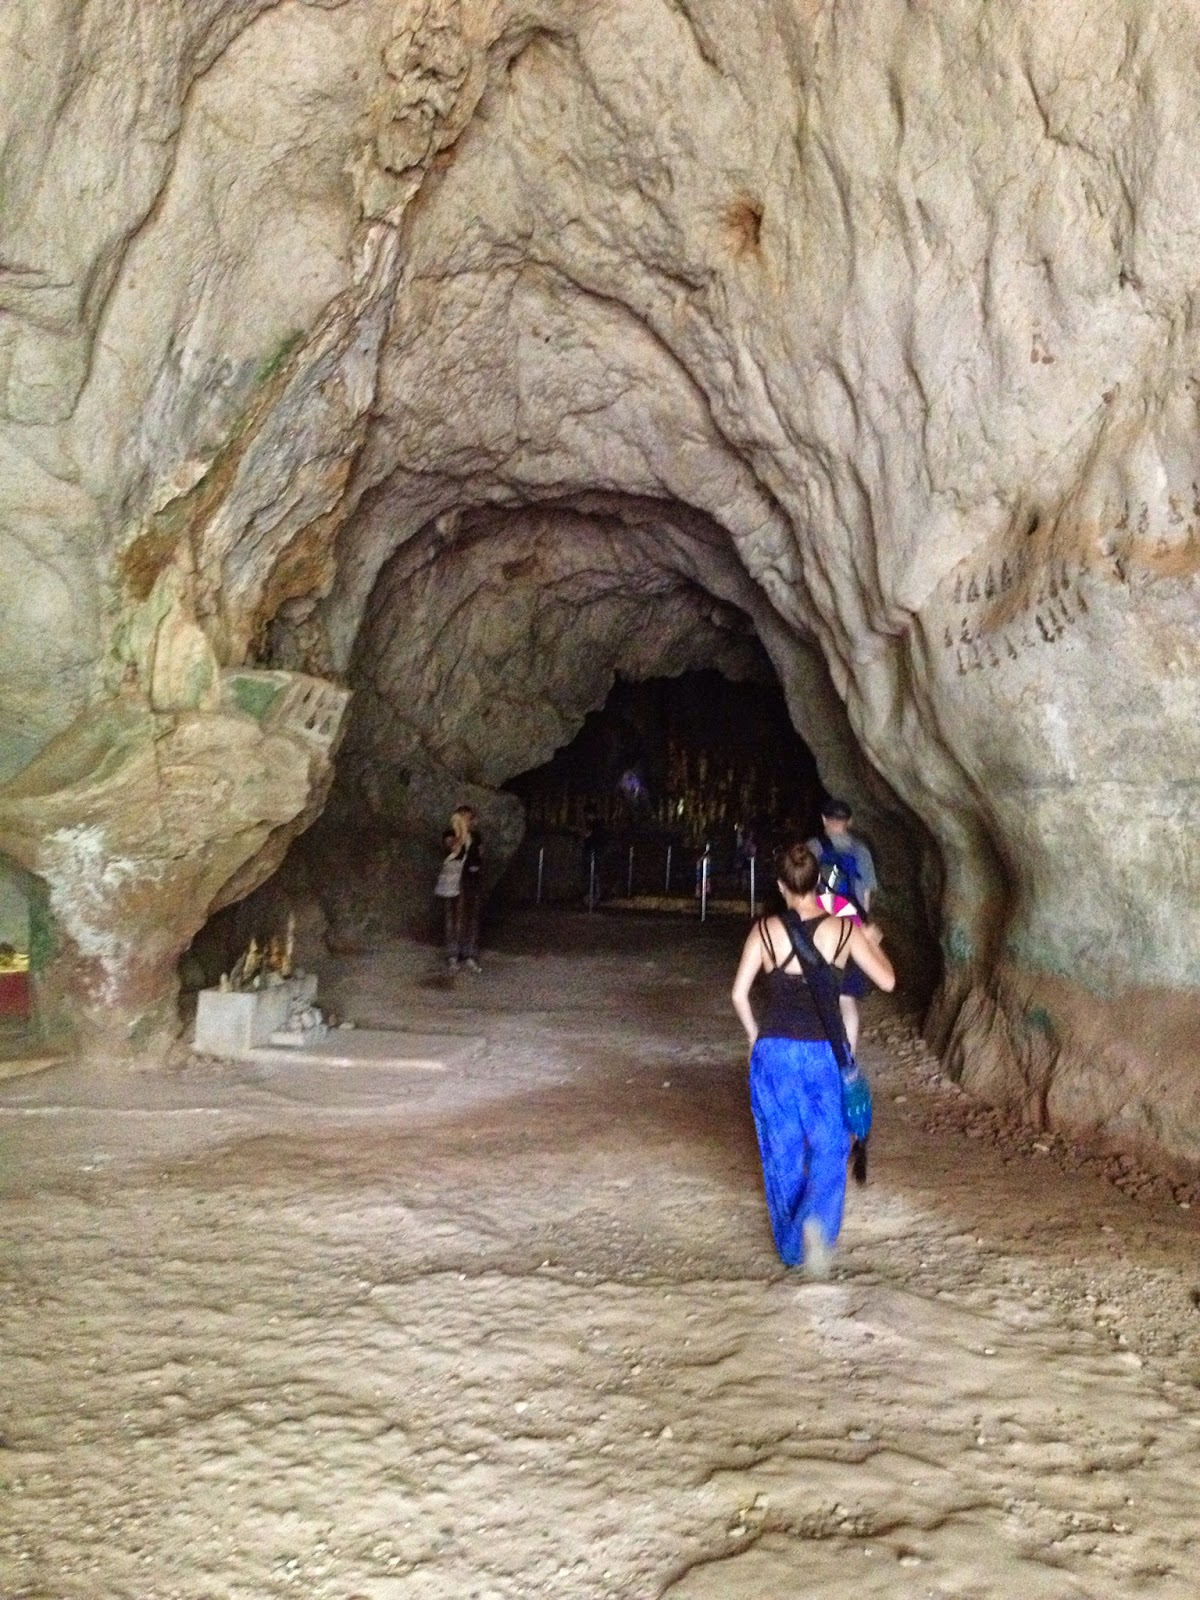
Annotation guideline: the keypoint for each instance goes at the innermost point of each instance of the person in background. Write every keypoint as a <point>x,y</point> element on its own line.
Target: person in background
<point>846,869</point>
<point>446,892</point>
<point>795,1076</point>
<point>464,910</point>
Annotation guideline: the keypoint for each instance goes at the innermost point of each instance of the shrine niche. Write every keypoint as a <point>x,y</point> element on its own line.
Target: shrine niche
<point>694,756</point>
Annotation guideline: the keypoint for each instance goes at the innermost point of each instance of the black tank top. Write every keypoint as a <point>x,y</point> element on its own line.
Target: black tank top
<point>791,1011</point>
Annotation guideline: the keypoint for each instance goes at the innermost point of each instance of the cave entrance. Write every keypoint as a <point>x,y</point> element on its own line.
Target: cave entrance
<point>564,668</point>
<point>668,772</point>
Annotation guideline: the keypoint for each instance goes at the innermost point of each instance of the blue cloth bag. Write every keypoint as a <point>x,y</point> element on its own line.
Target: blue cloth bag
<point>856,1102</point>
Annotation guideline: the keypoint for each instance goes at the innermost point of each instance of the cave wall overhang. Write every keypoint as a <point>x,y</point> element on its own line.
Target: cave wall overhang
<point>900,299</point>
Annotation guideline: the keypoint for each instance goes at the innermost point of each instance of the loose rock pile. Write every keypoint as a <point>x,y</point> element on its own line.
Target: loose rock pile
<point>942,1106</point>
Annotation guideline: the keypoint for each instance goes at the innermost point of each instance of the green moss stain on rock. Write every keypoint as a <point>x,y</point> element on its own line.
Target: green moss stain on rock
<point>279,358</point>
<point>1039,1020</point>
<point>42,940</point>
<point>255,696</point>
<point>199,682</point>
<point>134,635</point>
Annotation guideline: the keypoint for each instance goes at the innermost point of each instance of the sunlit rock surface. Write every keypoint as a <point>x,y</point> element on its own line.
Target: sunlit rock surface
<point>141,822</point>
<point>899,300</point>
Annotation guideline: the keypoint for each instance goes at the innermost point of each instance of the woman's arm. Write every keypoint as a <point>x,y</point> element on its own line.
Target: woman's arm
<point>866,947</point>
<point>749,968</point>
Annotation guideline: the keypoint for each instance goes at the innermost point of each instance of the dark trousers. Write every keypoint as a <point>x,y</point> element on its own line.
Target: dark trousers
<point>462,922</point>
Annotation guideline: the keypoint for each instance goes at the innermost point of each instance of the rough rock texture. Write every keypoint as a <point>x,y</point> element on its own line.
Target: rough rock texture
<point>488,652</point>
<point>142,822</point>
<point>900,298</point>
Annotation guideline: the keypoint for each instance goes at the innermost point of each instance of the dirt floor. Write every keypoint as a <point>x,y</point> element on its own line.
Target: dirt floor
<point>515,1327</point>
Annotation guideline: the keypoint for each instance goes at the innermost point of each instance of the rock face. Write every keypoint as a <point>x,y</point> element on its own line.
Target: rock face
<point>870,323</point>
<point>141,821</point>
<point>485,654</point>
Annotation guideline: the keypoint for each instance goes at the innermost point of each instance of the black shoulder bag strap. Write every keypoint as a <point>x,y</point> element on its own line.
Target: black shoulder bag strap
<point>815,966</point>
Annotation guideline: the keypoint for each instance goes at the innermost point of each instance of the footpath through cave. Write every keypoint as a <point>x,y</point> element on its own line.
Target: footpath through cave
<point>513,1325</point>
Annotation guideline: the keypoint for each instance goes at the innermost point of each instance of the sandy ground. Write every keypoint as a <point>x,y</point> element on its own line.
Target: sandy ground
<point>516,1327</point>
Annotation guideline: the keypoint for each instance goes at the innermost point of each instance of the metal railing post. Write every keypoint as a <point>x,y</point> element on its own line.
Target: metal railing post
<point>541,872</point>
<point>753,897</point>
<point>629,879</point>
<point>667,884</point>
<point>592,881</point>
<point>704,885</point>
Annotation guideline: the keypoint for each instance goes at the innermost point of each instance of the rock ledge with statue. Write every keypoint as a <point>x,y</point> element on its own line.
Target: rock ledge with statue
<point>262,1001</point>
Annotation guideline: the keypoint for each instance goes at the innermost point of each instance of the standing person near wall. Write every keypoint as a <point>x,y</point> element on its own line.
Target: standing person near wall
<point>464,907</point>
<point>796,1055</point>
<point>447,891</point>
<point>846,868</point>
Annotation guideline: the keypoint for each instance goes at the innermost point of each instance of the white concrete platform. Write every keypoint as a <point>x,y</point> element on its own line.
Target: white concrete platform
<point>229,1021</point>
<point>360,1047</point>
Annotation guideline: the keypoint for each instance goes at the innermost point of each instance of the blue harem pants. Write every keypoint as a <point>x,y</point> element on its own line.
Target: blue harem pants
<point>796,1097</point>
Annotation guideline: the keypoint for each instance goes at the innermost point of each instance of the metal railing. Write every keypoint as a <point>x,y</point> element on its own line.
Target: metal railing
<point>636,870</point>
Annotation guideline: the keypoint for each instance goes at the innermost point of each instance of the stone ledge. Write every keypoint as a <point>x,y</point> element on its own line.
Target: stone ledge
<point>359,1047</point>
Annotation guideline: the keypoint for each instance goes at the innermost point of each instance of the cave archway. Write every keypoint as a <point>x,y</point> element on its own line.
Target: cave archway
<point>487,640</point>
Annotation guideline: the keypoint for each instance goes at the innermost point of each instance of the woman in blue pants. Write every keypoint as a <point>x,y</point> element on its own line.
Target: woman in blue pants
<point>795,1080</point>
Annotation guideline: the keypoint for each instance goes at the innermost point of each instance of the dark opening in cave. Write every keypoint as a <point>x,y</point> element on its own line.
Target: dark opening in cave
<point>667,769</point>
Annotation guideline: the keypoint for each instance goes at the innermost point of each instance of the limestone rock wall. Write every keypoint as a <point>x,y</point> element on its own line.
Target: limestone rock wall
<point>486,652</point>
<point>900,298</point>
<point>140,822</point>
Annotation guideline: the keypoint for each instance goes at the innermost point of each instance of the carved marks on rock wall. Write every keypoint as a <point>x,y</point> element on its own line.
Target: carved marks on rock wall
<point>1010,606</point>
<point>1035,594</point>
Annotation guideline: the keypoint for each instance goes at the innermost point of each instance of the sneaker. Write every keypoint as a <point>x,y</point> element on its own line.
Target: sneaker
<point>472,965</point>
<point>452,963</point>
<point>816,1250</point>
